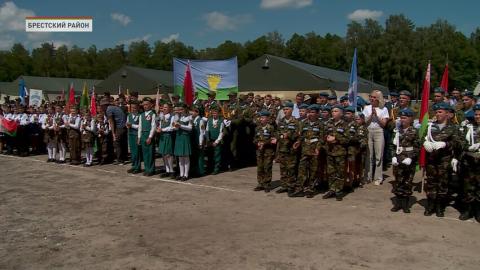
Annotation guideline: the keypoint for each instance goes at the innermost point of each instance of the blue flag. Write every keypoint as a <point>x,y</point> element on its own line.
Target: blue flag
<point>352,87</point>
<point>22,91</point>
<point>219,76</point>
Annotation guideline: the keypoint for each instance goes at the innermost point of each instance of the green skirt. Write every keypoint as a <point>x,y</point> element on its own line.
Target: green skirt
<point>183,145</point>
<point>165,144</point>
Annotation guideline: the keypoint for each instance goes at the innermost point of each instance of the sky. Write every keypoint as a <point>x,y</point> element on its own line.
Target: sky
<point>208,23</point>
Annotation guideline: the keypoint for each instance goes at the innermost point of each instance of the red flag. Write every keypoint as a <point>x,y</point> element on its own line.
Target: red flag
<point>188,86</point>
<point>93,104</point>
<point>8,127</point>
<point>424,114</point>
<point>444,83</point>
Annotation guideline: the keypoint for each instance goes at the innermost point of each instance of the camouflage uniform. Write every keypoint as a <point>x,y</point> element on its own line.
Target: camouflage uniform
<point>286,156</point>
<point>438,166</point>
<point>310,136</point>
<point>336,154</point>
<point>361,140</point>
<point>265,154</point>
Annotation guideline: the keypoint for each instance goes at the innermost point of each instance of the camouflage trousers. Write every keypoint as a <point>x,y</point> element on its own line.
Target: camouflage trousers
<point>336,172</point>
<point>471,185</point>
<point>264,165</point>
<point>287,169</point>
<point>438,174</point>
<point>403,179</point>
<point>307,173</point>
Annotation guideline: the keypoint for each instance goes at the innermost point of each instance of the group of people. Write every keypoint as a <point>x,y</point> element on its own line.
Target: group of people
<point>321,143</point>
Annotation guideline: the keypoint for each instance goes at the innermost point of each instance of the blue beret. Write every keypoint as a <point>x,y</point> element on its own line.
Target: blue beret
<point>288,104</point>
<point>326,108</point>
<point>332,97</point>
<point>350,109</point>
<point>324,94</point>
<point>439,90</point>
<point>264,113</point>
<point>314,107</point>
<point>394,94</point>
<point>338,106</point>
<point>407,112</point>
<point>469,94</point>
<point>442,106</point>
<point>470,115</point>
<point>343,98</point>
<point>476,107</point>
<point>303,106</point>
<point>406,93</point>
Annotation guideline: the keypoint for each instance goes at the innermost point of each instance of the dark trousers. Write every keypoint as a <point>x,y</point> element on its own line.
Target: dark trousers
<point>119,143</point>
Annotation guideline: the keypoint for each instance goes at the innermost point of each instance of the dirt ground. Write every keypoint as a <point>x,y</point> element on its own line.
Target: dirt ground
<point>64,217</point>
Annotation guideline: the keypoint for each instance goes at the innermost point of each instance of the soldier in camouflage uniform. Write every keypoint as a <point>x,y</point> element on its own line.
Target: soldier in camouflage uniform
<point>336,140</point>
<point>361,136</point>
<point>286,136</point>
<point>266,144</point>
<point>310,136</point>
<point>471,162</point>
<point>407,145</point>
<point>444,146</point>
<point>352,147</point>
<point>322,156</point>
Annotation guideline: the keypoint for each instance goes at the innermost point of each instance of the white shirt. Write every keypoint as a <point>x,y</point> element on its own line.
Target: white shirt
<point>381,114</point>
<point>153,125</point>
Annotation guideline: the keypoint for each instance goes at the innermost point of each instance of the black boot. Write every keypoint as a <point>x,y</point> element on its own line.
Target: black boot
<point>430,208</point>
<point>467,212</point>
<point>440,208</point>
<point>406,205</point>
<point>476,211</point>
<point>397,204</point>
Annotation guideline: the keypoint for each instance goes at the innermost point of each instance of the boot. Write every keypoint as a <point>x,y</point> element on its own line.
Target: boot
<point>467,212</point>
<point>397,204</point>
<point>406,205</point>
<point>430,208</point>
<point>440,208</point>
<point>476,211</point>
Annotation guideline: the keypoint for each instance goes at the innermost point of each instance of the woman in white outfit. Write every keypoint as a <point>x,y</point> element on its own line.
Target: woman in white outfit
<point>376,117</point>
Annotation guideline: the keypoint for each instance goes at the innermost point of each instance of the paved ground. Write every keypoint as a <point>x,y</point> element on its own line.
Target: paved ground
<point>63,217</point>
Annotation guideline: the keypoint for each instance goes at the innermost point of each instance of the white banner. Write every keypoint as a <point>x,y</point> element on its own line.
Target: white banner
<point>35,98</point>
<point>59,24</point>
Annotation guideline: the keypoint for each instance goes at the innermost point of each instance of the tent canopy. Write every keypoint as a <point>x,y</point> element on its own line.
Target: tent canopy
<point>273,73</point>
<point>142,80</point>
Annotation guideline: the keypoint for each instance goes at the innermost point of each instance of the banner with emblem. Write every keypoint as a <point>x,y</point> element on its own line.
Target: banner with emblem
<point>35,98</point>
<point>219,76</point>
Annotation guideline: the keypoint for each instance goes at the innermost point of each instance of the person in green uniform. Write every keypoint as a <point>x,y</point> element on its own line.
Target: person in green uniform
<point>286,135</point>
<point>214,136</point>
<point>183,148</point>
<point>146,131</point>
<point>336,141</point>
<point>198,143</point>
<point>165,141</point>
<point>353,146</point>
<point>362,143</point>
<point>133,120</point>
<point>266,143</point>
<point>310,141</point>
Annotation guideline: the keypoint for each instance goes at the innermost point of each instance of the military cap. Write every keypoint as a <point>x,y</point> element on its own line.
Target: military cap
<point>394,94</point>
<point>332,97</point>
<point>147,99</point>
<point>343,98</point>
<point>314,107</point>
<point>476,107</point>
<point>338,106</point>
<point>288,104</point>
<point>307,97</point>
<point>324,94</point>
<point>405,93</point>
<point>303,106</point>
<point>469,94</point>
<point>264,113</point>
<point>442,106</point>
<point>350,109</point>
<point>232,93</point>
<point>406,112</point>
<point>439,90</point>
<point>214,108</point>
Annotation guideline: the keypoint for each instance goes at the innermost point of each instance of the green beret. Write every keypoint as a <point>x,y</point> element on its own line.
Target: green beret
<point>350,109</point>
<point>214,108</point>
<point>394,94</point>
<point>303,106</point>
<point>343,98</point>
<point>338,106</point>
<point>314,107</point>
<point>324,94</point>
<point>406,112</point>
<point>332,97</point>
<point>326,108</point>
<point>439,90</point>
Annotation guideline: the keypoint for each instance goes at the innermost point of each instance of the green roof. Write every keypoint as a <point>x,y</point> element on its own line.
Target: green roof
<point>142,80</point>
<point>284,74</point>
<point>49,85</point>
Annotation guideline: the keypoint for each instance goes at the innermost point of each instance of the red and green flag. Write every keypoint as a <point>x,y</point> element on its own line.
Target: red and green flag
<point>8,127</point>
<point>424,114</point>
